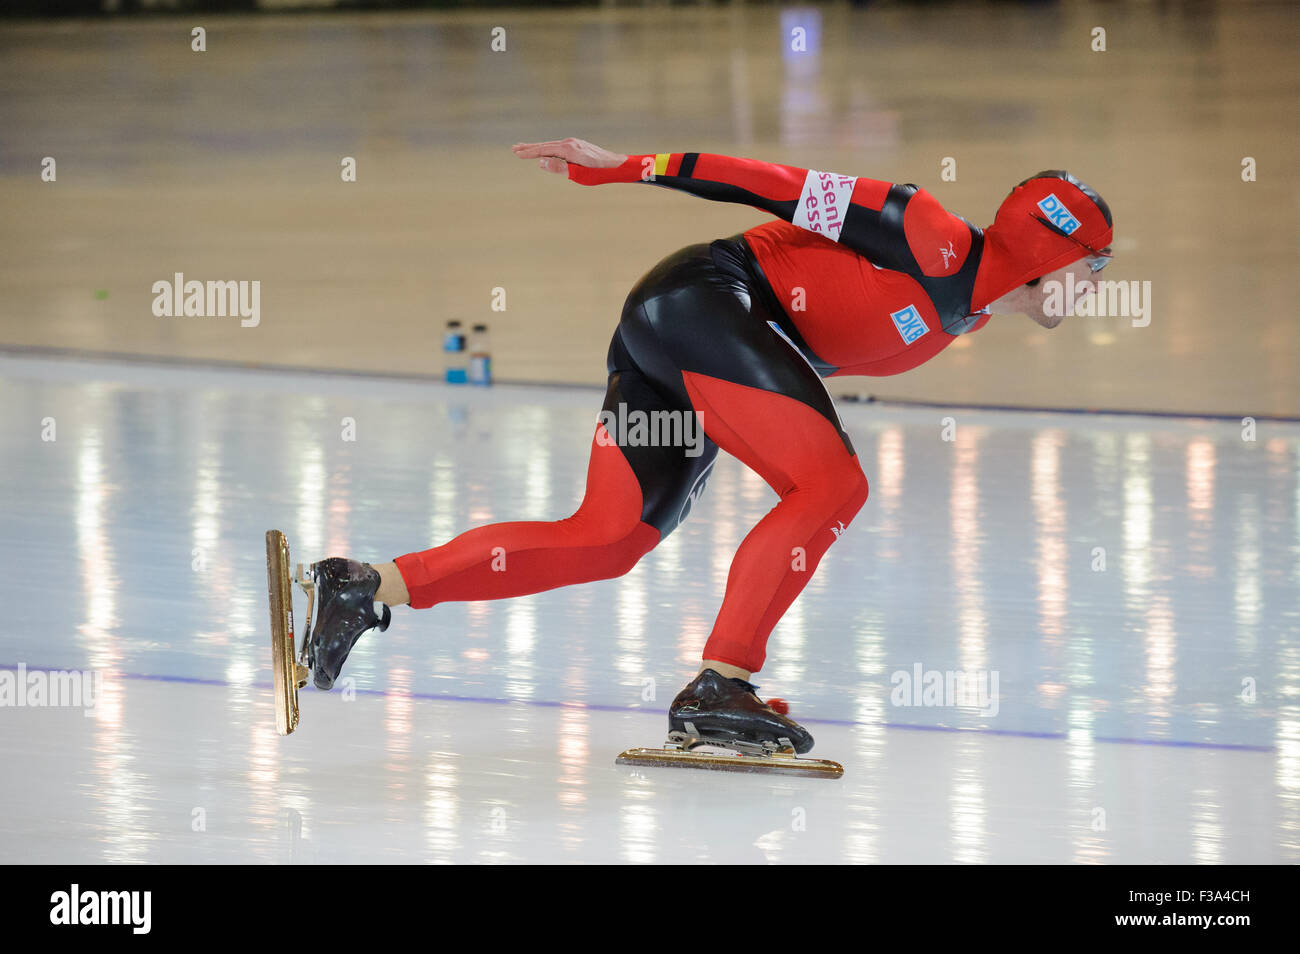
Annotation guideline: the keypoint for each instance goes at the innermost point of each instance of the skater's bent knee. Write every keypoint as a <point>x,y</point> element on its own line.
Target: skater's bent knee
<point>615,557</point>
<point>857,488</point>
<point>627,554</point>
<point>616,535</point>
<point>835,486</point>
<point>849,496</point>
<point>834,496</point>
<point>604,526</point>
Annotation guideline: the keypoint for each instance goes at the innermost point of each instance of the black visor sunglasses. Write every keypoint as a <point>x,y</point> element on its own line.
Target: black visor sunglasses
<point>1097,259</point>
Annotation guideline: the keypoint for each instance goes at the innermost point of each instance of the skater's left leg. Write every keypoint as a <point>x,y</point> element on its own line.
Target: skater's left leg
<point>759,399</point>
<point>799,449</point>
<point>804,455</point>
<point>701,333</point>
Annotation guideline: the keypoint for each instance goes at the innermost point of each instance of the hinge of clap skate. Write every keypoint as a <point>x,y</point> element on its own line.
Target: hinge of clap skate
<point>692,739</point>
<point>308,585</point>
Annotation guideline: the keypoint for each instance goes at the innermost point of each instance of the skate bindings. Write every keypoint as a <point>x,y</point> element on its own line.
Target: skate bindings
<point>728,711</point>
<point>347,612</point>
<point>720,723</point>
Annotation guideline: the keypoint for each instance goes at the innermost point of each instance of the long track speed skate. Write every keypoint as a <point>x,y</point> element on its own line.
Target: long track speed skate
<point>342,591</point>
<point>682,751</point>
<point>721,724</point>
<point>289,670</point>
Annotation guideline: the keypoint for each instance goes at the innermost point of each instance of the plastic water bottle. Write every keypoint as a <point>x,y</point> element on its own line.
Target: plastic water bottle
<point>453,354</point>
<point>480,359</point>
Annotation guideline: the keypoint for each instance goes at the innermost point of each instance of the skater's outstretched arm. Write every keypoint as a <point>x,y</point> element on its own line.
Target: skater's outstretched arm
<point>893,225</point>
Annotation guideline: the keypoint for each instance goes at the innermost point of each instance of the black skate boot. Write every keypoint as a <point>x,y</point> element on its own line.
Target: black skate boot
<point>728,711</point>
<point>345,591</point>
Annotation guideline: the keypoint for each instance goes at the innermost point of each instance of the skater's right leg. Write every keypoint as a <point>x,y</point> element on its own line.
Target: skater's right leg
<point>637,493</point>
<point>604,538</point>
<point>392,588</point>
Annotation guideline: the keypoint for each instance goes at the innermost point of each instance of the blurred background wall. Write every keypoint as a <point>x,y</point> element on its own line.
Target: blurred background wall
<point>225,164</point>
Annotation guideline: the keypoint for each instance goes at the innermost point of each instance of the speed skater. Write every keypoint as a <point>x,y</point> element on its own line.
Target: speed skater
<point>855,277</point>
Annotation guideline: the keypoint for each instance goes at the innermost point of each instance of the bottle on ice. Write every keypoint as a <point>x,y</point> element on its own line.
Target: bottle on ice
<point>480,358</point>
<point>453,354</point>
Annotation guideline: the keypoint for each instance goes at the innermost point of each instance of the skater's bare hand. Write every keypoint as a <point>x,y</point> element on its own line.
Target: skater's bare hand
<point>555,156</point>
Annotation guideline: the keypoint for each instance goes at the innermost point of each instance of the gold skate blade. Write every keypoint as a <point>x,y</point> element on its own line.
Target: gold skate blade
<point>718,762</point>
<point>287,675</point>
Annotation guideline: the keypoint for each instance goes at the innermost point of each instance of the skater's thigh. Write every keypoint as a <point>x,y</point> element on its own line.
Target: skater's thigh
<point>697,322</point>
<point>762,402</point>
<point>784,437</point>
<point>784,393</point>
<point>662,439</point>
<point>758,397</point>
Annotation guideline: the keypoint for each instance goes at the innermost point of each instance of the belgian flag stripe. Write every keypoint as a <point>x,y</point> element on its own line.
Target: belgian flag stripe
<point>687,166</point>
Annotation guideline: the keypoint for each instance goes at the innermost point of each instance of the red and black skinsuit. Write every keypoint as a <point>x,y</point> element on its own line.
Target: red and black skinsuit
<point>858,277</point>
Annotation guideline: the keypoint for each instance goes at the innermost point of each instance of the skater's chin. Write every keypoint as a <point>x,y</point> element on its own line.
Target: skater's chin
<point>323,680</point>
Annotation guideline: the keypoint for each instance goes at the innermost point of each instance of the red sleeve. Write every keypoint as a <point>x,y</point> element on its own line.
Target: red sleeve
<point>820,202</point>
<point>916,234</point>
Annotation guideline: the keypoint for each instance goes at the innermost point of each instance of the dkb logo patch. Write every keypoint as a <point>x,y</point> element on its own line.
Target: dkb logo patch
<point>1058,214</point>
<point>909,323</point>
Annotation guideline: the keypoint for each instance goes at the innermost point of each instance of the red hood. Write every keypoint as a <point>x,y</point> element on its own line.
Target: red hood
<point>1020,246</point>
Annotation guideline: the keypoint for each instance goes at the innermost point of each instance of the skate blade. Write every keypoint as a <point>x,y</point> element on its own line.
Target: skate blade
<point>721,759</point>
<point>287,674</point>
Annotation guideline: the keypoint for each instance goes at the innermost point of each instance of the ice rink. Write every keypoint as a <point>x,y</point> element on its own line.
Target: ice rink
<point>1126,586</point>
<point>1120,731</point>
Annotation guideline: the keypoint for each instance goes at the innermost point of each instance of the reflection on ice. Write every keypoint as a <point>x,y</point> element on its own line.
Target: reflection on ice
<point>1148,705</point>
